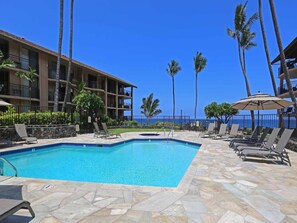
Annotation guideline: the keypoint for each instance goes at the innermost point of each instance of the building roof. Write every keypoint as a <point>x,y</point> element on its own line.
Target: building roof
<point>290,51</point>
<point>53,53</point>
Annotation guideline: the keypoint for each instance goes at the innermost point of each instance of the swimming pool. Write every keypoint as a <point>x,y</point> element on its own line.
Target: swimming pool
<point>135,162</point>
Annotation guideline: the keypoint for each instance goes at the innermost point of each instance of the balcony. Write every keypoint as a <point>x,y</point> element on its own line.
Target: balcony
<point>18,90</point>
<point>125,106</point>
<point>51,96</point>
<point>52,75</point>
<point>92,84</point>
<point>292,68</point>
<point>23,63</point>
<point>284,88</point>
<point>125,92</point>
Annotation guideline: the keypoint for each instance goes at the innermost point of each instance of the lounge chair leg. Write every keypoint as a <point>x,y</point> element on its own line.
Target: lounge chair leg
<point>31,212</point>
<point>28,206</point>
<point>288,158</point>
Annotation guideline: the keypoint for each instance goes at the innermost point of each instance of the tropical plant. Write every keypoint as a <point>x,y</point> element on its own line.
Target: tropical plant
<point>282,55</point>
<point>30,76</point>
<point>244,38</point>
<point>222,112</point>
<point>80,86</point>
<point>66,96</point>
<point>150,107</point>
<point>199,64</point>
<point>56,96</point>
<point>172,69</point>
<point>5,63</point>
<point>88,101</point>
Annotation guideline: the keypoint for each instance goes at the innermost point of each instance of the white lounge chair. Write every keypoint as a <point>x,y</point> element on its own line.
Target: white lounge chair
<point>222,131</point>
<point>22,132</point>
<point>107,133</point>
<point>209,131</point>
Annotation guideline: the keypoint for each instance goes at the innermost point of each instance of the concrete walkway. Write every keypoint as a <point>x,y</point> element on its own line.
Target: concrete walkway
<point>218,187</point>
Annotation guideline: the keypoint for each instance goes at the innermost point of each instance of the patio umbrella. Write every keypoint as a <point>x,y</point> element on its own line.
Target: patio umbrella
<point>261,101</point>
<point>4,103</point>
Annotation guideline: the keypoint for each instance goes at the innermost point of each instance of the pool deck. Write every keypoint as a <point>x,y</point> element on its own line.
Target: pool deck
<point>218,187</point>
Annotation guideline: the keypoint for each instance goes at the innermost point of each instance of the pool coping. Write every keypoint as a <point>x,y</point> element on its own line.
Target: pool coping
<point>182,186</point>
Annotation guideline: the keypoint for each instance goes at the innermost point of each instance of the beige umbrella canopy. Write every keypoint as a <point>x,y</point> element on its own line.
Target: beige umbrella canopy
<point>4,103</point>
<point>261,102</point>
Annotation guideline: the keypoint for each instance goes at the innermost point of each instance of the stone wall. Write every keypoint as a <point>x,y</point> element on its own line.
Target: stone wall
<point>40,132</point>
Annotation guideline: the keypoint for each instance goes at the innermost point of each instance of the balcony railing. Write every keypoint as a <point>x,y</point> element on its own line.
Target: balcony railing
<point>23,63</point>
<point>124,92</point>
<point>125,106</point>
<point>51,96</point>
<point>290,65</point>
<point>111,105</point>
<point>284,88</point>
<point>52,75</point>
<point>92,84</point>
<point>18,90</point>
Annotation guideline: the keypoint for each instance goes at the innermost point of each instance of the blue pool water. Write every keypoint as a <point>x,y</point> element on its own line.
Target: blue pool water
<point>149,162</point>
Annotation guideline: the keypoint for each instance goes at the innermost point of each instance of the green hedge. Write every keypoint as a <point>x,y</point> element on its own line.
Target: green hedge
<point>38,118</point>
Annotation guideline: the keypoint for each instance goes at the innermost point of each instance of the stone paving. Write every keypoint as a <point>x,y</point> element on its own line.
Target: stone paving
<point>218,187</point>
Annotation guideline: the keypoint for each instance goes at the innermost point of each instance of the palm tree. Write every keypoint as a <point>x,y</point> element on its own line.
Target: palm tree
<point>199,64</point>
<point>150,107</point>
<point>266,48</point>
<point>244,37</point>
<point>5,63</point>
<point>56,99</point>
<point>281,123</point>
<point>30,76</point>
<point>172,69</point>
<point>282,55</point>
<point>66,96</point>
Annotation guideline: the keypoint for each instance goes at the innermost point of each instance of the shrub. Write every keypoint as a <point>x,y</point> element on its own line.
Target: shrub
<point>163,124</point>
<point>109,121</point>
<point>132,123</point>
<point>38,118</point>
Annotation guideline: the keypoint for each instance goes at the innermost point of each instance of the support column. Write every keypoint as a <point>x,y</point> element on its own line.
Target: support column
<point>43,81</point>
<point>131,103</point>
<point>117,100</point>
<point>105,95</point>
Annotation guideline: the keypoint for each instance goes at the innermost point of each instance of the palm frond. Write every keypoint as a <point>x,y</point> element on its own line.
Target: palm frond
<point>251,20</point>
<point>199,62</point>
<point>149,106</point>
<point>173,68</point>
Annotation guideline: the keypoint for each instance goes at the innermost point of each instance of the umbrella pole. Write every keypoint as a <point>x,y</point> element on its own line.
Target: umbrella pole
<point>258,117</point>
<point>258,131</point>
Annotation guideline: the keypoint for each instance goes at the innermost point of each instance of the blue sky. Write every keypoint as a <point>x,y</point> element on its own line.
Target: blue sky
<point>135,40</point>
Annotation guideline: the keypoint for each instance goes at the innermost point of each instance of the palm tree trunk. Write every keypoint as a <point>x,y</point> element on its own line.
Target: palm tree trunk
<point>282,56</point>
<point>30,91</point>
<point>196,96</point>
<point>66,97</point>
<point>241,56</point>
<point>56,99</point>
<point>281,121</point>
<point>173,95</point>
<point>266,48</point>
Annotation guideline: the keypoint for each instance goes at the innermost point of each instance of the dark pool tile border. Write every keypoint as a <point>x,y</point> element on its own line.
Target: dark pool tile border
<point>21,150</point>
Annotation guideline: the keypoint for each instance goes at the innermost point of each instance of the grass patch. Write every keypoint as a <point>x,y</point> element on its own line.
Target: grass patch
<point>123,130</point>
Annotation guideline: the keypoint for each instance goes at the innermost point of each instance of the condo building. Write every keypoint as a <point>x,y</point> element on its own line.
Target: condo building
<point>117,94</point>
<point>291,62</point>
